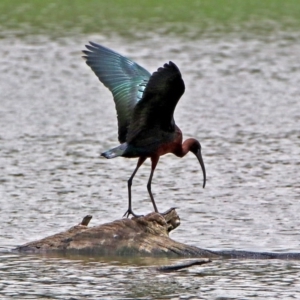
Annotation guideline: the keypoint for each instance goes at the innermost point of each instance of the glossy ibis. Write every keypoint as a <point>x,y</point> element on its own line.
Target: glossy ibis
<point>145,106</point>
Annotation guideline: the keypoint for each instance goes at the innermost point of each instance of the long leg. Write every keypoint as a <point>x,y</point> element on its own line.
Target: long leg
<point>154,160</point>
<point>129,184</point>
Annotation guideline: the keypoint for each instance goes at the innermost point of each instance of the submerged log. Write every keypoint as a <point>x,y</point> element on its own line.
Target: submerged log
<point>184,265</point>
<point>147,236</point>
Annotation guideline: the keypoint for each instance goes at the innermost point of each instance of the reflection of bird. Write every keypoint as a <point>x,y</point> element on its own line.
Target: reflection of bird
<point>145,106</point>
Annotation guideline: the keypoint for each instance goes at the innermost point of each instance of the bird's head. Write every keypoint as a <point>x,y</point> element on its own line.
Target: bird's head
<point>195,147</point>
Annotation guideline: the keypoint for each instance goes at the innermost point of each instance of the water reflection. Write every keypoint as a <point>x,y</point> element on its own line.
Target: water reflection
<point>55,278</point>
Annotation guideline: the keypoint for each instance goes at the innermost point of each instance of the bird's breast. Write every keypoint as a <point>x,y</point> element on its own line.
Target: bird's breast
<point>154,142</point>
<point>168,147</point>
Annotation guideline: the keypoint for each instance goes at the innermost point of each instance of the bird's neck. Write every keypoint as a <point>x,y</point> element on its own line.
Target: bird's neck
<point>186,147</point>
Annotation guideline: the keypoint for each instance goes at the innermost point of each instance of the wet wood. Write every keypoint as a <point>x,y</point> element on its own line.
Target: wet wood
<point>86,220</point>
<point>147,235</point>
<point>184,265</point>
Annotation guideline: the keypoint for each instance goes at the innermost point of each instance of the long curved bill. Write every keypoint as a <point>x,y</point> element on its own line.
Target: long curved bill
<point>199,156</point>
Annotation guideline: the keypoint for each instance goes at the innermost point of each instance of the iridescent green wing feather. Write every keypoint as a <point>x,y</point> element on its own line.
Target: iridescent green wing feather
<point>123,77</point>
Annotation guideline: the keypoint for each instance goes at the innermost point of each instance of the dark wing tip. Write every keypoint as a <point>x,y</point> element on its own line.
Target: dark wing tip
<point>167,76</point>
<point>171,67</point>
<point>168,68</point>
<point>90,47</point>
<point>91,44</point>
<point>86,54</point>
<point>94,44</point>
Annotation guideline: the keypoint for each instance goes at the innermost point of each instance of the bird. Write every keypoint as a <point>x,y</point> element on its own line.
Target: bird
<point>145,105</point>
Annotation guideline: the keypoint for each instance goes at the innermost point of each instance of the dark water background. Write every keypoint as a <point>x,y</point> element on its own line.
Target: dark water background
<point>242,103</point>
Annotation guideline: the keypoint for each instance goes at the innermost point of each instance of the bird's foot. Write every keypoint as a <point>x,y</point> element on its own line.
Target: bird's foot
<point>130,212</point>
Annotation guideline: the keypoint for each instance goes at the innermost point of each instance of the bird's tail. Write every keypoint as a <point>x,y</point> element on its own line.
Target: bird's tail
<point>114,152</point>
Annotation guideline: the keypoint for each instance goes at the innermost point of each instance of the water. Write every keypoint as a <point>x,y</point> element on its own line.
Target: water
<point>241,102</point>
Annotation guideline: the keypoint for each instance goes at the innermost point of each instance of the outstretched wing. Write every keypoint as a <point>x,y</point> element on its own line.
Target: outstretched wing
<point>123,77</point>
<point>160,97</point>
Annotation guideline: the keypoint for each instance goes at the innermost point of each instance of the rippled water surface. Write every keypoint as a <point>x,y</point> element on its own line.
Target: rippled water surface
<point>241,101</point>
